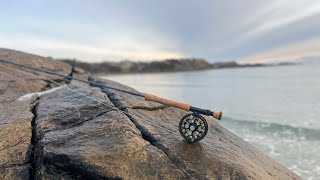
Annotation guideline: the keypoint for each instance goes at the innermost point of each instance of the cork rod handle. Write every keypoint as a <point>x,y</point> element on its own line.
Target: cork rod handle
<point>150,97</point>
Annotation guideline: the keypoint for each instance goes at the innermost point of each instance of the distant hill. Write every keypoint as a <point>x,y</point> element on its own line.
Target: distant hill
<point>169,65</point>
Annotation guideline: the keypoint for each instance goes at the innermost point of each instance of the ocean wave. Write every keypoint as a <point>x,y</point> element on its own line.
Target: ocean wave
<point>273,128</point>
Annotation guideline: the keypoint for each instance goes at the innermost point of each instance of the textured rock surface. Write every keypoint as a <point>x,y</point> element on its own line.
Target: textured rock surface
<point>16,116</point>
<point>82,138</point>
<point>220,154</point>
<point>83,132</point>
<point>16,83</point>
<point>15,139</point>
<point>35,61</point>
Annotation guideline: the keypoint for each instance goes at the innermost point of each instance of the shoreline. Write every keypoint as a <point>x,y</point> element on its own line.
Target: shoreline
<point>188,71</point>
<point>166,66</point>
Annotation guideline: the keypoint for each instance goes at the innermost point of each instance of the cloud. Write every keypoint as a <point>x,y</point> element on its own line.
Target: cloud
<point>281,13</point>
<point>117,49</point>
<point>95,32</point>
<point>145,30</point>
<point>293,52</point>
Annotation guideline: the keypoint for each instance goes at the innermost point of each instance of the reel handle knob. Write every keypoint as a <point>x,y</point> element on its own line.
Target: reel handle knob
<point>217,114</point>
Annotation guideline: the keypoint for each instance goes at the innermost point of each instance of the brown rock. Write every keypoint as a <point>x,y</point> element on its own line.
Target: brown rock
<point>81,132</point>
<point>15,172</point>
<point>34,61</point>
<point>15,141</point>
<point>82,138</point>
<point>16,116</point>
<point>16,81</point>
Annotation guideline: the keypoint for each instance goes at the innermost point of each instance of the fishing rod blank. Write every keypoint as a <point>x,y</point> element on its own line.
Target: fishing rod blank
<point>193,127</point>
<point>110,105</point>
<point>70,77</point>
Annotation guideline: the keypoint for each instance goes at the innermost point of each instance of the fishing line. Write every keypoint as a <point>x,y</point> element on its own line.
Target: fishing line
<point>146,96</point>
<point>192,127</point>
<point>46,79</point>
<point>70,77</point>
<point>96,100</point>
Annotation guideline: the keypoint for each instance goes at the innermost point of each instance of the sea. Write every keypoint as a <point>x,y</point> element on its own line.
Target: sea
<point>276,108</point>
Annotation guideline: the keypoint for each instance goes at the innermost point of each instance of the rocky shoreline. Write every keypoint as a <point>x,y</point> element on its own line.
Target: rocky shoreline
<point>80,132</point>
<point>169,65</point>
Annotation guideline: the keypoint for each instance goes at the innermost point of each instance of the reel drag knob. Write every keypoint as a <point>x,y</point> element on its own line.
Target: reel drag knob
<point>193,127</point>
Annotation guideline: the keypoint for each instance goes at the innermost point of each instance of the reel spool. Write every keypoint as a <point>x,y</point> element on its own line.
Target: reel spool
<point>193,127</point>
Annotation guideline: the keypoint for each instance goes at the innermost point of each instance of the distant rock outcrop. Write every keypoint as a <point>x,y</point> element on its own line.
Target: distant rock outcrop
<point>169,65</point>
<point>82,132</point>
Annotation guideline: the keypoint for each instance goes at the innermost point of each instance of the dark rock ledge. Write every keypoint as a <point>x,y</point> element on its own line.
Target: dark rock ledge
<point>62,134</point>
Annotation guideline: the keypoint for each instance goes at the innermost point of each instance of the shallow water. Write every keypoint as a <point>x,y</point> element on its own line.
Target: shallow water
<point>276,109</point>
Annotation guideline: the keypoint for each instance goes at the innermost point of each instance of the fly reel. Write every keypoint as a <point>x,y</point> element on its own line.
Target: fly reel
<point>193,127</point>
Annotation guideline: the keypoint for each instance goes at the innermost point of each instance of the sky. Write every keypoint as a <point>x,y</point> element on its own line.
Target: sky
<point>144,30</point>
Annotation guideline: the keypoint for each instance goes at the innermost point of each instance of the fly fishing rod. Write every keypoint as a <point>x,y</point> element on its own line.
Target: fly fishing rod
<point>193,127</point>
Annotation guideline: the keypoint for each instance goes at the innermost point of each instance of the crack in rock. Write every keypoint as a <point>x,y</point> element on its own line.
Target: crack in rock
<point>33,140</point>
<point>146,135</point>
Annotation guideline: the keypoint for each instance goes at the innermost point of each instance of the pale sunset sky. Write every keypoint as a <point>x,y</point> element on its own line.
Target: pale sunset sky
<point>98,30</point>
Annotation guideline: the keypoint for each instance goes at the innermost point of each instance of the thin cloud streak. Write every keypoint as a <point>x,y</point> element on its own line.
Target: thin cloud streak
<point>63,49</point>
<point>290,53</point>
<point>280,14</point>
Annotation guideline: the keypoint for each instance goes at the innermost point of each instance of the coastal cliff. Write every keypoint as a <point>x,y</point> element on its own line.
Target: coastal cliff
<point>71,130</point>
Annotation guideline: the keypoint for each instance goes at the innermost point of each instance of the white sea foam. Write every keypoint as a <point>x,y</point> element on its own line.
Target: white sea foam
<point>29,96</point>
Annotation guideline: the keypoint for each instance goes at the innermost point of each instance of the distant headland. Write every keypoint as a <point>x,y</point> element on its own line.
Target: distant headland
<point>168,65</point>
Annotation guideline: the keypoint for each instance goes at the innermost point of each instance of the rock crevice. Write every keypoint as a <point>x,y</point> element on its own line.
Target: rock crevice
<point>16,115</point>
<point>146,135</point>
<point>34,141</point>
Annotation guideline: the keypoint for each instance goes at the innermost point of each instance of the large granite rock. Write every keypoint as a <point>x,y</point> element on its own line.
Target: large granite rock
<point>82,132</point>
<point>16,116</point>
<point>15,139</point>
<point>79,137</point>
<point>35,61</point>
<point>15,83</point>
